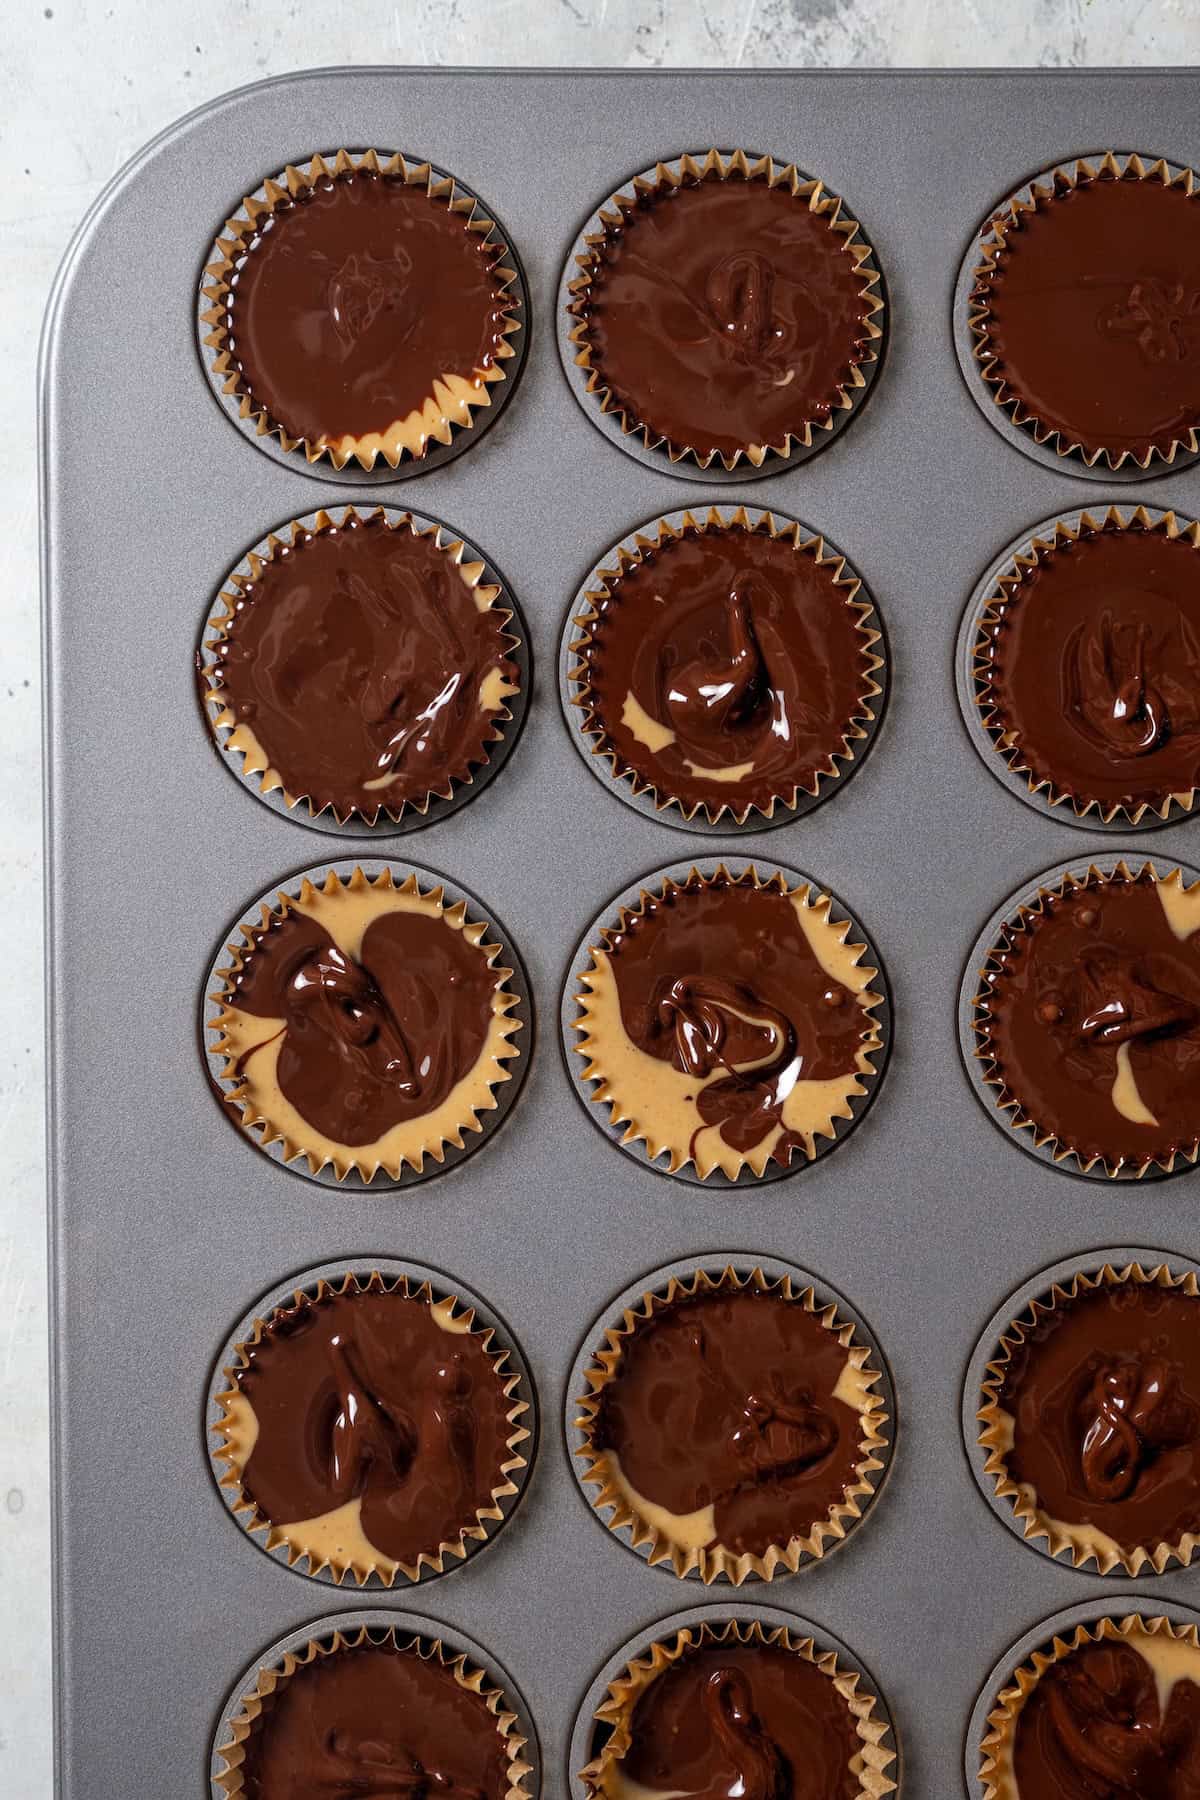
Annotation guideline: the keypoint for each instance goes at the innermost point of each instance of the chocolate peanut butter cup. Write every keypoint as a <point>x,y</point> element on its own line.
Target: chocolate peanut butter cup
<point>1079,666</point>
<point>725,668</point>
<point>362,670</point>
<point>1081,301</point>
<point>368,1425</point>
<point>739,1706</point>
<point>1109,1707</point>
<point>360,1023</point>
<point>372,1703</point>
<point>723,310</point>
<point>726,1023</point>
<point>1089,1417</point>
<point>729,1423</point>
<point>363,308</point>
<point>1081,1015</point>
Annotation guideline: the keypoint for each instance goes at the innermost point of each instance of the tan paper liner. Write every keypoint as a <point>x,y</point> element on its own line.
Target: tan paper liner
<point>603,1060</point>
<point>426,1135</point>
<point>993,240</point>
<point>715,1561</point>
<point>456,396</point>
<point>1006,593</point>
<point>996,1751</point>
<point>1187,900</point>
<point>230,1458</point>
<point>606,582</point>
<point>602,1779</point>
<point>1084,1543</point>
<point>742,166</point>
<point>257,765</point>
<point>465,1673</point>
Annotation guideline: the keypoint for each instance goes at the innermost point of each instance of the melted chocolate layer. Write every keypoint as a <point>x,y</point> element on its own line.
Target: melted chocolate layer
<point>1105,1396</point>
<point>1094,1727</point>
<point>714,976</point>
<point>368,1044</point>
<point>725,314</point>
<point>374,1719</point>
<point>1093,310</point>
<point>1095,666</point>
<point>354,299</point>
<point>363,1395</point>
<point>727,1400</point>
<point>745,650</point>
<point>1098,971</point>
<point>358,660</point>
<point>744,1722</point>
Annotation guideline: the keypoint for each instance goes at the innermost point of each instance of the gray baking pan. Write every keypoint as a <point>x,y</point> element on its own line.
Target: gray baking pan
<point>166,1225</point>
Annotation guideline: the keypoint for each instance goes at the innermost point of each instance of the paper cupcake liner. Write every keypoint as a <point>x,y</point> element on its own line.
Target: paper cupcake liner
<point>471,1670</point>
<point>874,1767</point>
<point>993,593</point>
<point>984,964</point>
<point>587,728</point>
<point>470,1112</point>
<point>1005,409</point>
<point>367,1566</point>
<point>990,1427</point>
<point>1165,1635</point>
<point>597,399</point>
<point>458,410</point>
<point>249,761</point>
<point>600,1365</point>
<point>614,1104</point>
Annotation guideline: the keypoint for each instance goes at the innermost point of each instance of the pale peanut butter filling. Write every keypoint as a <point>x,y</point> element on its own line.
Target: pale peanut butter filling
<point>646,730</point>
<point>1125,1096</point>
<point>1181,904</point>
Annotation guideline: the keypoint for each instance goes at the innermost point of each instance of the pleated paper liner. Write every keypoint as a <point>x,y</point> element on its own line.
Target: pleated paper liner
<point>1003,408</point>
<point>250,761</point>
<point>347,896</point>
<point>641,440</point>
<point>609,1493</point>
<point>999,588</point>
<point>615,1101</point>
<point>985,962</point>
<point>461,404</point>
<point>988,1427</point>
<point>475,1670</point>
<point>587,728</point>
<point>337,1551</point>
<point>1165,1634</point>
<point>602,1732</point>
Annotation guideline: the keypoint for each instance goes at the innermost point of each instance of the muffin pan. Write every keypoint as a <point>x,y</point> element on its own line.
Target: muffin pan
<point>166,1224</point>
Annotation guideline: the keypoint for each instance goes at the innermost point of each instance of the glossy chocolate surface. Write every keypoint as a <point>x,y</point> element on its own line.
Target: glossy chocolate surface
<point>713,976</point>
<point>725,314</point>
<point>743,1722</point>
<point>1094,1727</point>
<point>1093,310</point>
<point>367,1044</point>
<point>1095,666</point>
<point>364,1395</point>
<point>374,1719</point>
<point>1105,1398</point>
<point>354,299</point>
<point>1101,969</point>
<point>745,650</point>
<point>358,660</point>
<point>727,1400</point>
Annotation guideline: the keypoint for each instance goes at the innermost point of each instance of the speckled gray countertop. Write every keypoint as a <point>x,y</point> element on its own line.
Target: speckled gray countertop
<point>82,86</point>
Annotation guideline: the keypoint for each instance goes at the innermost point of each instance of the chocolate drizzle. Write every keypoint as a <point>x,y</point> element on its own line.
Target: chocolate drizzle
<point>1086,311</point>
<point>370,674</point>
<point>728,667</point>
<point>726,311</point>
<point>360,1393</point>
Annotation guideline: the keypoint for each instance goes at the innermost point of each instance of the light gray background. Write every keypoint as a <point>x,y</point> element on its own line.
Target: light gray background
<point>81,87</point>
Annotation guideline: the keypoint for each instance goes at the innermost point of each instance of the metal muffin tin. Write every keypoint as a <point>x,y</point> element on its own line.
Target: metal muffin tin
<point>166,1223</point>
